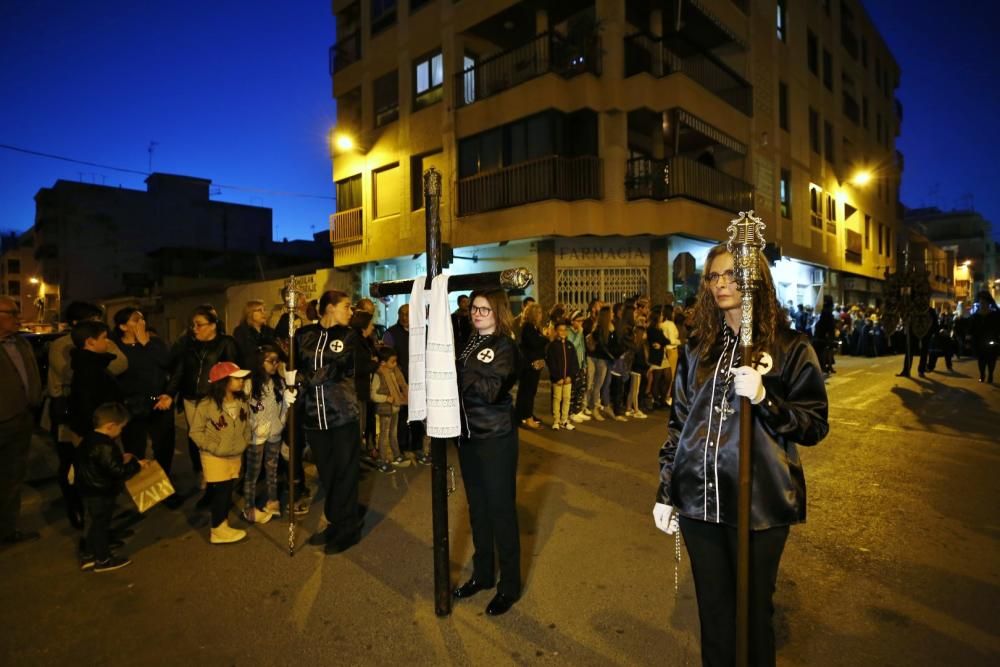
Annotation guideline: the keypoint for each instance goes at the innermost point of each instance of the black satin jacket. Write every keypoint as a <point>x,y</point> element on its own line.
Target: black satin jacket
<point>700,458</point>
<point>487,371</point>
<point>324,359</point>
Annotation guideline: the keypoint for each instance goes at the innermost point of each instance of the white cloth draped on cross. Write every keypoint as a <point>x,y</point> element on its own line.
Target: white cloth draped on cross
<point>433,377</point>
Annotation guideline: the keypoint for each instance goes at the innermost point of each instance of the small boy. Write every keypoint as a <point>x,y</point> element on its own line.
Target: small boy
<point>561,358</point>
<point>389,391</point>
<point>101,471</point>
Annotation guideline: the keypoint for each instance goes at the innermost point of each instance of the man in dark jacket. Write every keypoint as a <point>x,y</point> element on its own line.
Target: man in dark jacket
<point>101,471</point>
<point>93,384</point>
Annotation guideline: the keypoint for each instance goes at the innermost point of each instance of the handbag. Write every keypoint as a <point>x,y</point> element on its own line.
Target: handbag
<point>149,487</point>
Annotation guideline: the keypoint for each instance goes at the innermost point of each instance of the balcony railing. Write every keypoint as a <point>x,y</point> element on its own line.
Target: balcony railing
<point>345,52</point>
<point>644,53</point>
<point>553,177</point>
<point>646,178</point>
<point>347,227</point>
<point>548,52</point>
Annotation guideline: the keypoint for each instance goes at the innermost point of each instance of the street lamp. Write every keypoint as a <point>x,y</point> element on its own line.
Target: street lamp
<point>861,178</point>
<point>343,142</point>
<point>33,280</point>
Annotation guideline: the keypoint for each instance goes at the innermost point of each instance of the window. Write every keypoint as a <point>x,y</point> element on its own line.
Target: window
<point>814,130</point>
<point>13,288</point>
<point>428,77</point>
<point>468,79</point>
<point>815,207</point>
<point>881,247</point>
<point>831,214</point>
<point>864,112</point>
<point>785,192</point>
<point>878,71</point>
<point>827,70</point>
<point>782,21</point>
<point>828,142</point>
<point>878,126</point>
<point>348,193</point>
<point>783,105</point>
<point>868,232</point>
<point>850,107</point>
<point>812,52</point>
<point>349,110</point>
<point>386,98</point>
<point>13,266</point>
<point>383,14</point>
<point>864,52</point>
<point>386,191</point>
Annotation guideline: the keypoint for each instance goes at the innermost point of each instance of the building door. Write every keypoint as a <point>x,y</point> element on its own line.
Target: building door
<point>575,287</point>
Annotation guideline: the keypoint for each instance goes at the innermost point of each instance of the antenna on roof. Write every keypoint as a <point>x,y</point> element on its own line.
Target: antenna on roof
<point>150,149</point>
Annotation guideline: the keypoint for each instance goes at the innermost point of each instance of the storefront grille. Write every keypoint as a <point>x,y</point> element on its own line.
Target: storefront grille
<point>576,287</point>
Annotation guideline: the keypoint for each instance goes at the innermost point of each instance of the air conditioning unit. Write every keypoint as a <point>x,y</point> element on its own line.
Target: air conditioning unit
<point>817,276</point>
<point>384,272</point>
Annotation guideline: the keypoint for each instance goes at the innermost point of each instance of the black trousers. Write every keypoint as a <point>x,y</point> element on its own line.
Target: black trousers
<point>527,388</point>
<point>67,454</point>
<point>15,441</point>
<point>221,500</point>
<point>158,426</point>
<point>987,361</point>
<point>100,509</point>
<point>337,452</point>
<point>489,473</point>
<point>712,549</point>
<point>300,446</point>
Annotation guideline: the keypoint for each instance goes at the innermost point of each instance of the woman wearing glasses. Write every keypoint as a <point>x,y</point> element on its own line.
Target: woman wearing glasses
<point>699,460</point>
<point>487,453</point>
<point>191,360</point>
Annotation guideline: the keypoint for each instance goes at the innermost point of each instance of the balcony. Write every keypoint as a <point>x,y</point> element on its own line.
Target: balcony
<point>345,52</point>
<point>647,178</point>
<point>548,52</point>
<point>552,177</point>
<point>658,58</point>
<point>347,227</point>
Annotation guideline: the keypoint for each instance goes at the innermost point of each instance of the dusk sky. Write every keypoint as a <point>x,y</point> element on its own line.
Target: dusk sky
<point>239,92</point>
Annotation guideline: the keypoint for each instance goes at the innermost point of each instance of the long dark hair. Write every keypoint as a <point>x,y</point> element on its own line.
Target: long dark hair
<point>260,378</point>
<point>768,318</point>
<point>603,326</point>
<point>217,391</point>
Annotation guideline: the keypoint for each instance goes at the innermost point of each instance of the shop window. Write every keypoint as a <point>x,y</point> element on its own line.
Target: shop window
<point>785,193</point>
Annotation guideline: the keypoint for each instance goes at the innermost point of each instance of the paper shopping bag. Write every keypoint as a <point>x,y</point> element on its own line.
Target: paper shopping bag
<point>149,487</point>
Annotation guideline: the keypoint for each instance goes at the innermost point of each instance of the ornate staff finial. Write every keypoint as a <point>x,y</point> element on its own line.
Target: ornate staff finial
<point>746,240</point>
<point>292,296</point>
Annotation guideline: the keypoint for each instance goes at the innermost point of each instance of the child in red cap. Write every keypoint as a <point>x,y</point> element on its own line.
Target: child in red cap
<point>221,429</point>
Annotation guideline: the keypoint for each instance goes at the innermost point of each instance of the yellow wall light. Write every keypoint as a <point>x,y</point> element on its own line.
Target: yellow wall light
<point>862,177</point>
<point>343,142</point>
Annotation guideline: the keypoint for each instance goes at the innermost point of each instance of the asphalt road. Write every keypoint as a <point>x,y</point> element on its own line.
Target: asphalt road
<point>897,565</point>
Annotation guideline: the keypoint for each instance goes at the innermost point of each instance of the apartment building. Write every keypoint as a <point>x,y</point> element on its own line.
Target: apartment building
<point>606,144</point>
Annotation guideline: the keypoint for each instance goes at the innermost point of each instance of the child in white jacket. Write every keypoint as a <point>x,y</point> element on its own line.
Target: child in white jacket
<point>269,404</point>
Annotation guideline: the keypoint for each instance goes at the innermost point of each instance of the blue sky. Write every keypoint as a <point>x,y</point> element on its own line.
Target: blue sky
<point>239,92</point>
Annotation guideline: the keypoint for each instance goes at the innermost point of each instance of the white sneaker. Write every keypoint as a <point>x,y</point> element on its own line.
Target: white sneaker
<point>555,426</point>
<point>568,427</point>
<point>224,534</point>
<point>629,412</point>
<point>639,414</point>
<point>586,412</point>
<point>598,416</point>
<point>621,418</point>
<point>584,417</point>
<point>578,417</point>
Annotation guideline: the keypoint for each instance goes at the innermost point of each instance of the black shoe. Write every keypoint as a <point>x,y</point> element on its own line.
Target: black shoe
<point>342,545</point>
<point>75,517</point>
<point>320,538</point>
<point>112,563</point>
<point>204,502</point>
<point>500,604</point>
<point>470,588</point>
<point>20,536</point>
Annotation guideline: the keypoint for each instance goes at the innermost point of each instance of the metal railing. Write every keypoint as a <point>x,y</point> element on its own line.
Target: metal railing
<point>552,177</point>
<point>547,52</point>
<point>647,178</point>
<point>645,53</point>
<point>345,52</point>
<point>347,227</point>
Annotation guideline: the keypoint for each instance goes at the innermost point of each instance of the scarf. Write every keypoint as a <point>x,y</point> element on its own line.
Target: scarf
<point>441,376</point>
<point>418,348</point>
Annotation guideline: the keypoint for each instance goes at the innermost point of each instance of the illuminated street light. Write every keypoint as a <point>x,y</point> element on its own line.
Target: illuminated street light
<point>33,280</point>
<point>862,178</point>
<point>344,142</point>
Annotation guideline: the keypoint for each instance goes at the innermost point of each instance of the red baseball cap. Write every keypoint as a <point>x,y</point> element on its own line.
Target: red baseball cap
<point>226,369</point>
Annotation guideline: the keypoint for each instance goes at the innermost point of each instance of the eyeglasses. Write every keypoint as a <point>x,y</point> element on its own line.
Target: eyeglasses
<point>480,310</point>
<point>713,277</point>
<point>199,325</point>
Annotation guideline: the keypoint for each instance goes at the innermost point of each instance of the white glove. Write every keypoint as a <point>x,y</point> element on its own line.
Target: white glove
<point>289,396</point>
<point>289,377</point>
<point>665,518</point>
<point>747,382</point>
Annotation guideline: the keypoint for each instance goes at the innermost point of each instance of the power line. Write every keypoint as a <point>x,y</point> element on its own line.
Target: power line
<point>241,188</point>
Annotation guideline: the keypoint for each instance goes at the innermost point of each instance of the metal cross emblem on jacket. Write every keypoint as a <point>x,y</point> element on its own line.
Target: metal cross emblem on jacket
<point>486,356</point>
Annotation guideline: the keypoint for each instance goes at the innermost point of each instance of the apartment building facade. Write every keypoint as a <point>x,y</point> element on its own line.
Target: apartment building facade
<point>606,144</point>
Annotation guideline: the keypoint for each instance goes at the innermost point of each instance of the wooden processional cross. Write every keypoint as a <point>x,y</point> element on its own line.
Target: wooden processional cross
<point>508,279</point>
